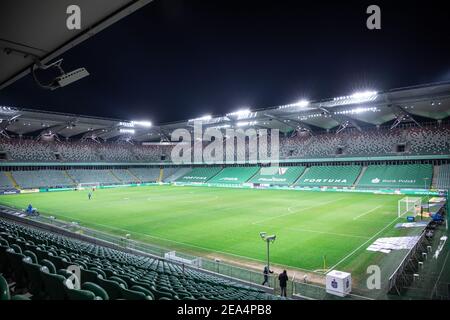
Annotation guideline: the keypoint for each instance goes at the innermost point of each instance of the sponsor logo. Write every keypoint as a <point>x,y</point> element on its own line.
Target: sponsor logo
<point>376,180</point>
<point>334,284</point>
<point>326,180</point>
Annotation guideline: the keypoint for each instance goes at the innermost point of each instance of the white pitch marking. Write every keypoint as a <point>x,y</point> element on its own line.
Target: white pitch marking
<point>367,212</point>
<point>371,238</point>
<point>329,233</point>
<point>296,211</point>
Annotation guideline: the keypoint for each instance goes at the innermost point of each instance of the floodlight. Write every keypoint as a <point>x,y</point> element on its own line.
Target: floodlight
<point>223,126</point>
<point>271,238</point>
<point>203,118</point>
<point>122,130</point>
<point>263,235</point>
<point>357,97</point>
<point>302,103</point>
<point>363,95</point>
<point>64,79</point>
<point>146,124</point>
<point>241,112</point>
<point>245,123</point>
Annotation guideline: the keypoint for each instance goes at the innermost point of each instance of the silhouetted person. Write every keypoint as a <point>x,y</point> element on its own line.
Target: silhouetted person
<point>266,275</point>
<point>283,278</point>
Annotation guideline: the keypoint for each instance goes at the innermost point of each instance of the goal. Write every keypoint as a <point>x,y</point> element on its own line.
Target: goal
<point>87,185</point>
<point>411,205</point>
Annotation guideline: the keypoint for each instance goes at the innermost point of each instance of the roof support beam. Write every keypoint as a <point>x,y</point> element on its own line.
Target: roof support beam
<point>299,125</point>
<point>343,120</point>
<point>5,123</point>
<point>401,116</point>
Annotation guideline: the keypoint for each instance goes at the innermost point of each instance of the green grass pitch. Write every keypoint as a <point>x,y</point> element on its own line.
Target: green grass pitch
<point>227,222</point>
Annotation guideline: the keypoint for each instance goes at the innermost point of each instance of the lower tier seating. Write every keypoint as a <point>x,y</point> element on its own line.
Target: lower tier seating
<point>202,174</point>
<point>397,176</point>
<point>234,175</point>
<point>443,177</point>
<point>284,176</point>
<point>342,176</point>
<point>37,261</point>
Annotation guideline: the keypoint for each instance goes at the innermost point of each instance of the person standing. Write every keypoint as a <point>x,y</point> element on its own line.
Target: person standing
<point>283,278</point>
<point>266,275</point>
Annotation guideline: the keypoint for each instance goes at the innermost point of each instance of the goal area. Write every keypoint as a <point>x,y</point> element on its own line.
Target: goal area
<point>87,185</point>
<point>409,205</point>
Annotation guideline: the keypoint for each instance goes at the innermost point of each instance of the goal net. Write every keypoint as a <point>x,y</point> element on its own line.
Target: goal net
<point>409,205</point>
<point>88,185</point>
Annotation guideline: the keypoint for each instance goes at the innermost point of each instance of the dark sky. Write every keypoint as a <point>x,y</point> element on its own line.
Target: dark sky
<point>175,59</point>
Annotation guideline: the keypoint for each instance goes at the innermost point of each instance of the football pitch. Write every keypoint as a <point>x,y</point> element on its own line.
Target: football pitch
<point>312,228</point>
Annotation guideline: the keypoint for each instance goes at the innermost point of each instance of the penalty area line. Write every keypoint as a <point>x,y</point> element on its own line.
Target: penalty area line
<point>367,212</point>
<point>362,245</point>
<point>296,211</point>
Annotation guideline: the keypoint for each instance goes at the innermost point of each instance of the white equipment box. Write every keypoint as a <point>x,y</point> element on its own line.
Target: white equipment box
<point>339,283</point>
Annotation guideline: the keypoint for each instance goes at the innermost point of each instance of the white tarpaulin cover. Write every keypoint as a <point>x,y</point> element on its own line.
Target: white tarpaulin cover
<point>385,245</point>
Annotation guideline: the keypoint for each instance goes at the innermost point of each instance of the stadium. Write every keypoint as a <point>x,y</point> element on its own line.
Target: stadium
<point>347,194</point>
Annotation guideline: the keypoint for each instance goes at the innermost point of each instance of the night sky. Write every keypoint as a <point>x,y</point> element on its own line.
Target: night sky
<point>175,60</point>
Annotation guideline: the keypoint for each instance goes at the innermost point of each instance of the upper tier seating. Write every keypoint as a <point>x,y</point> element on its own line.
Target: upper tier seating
<point>234,175</point>
<point>397,176</point>
<point>430,139</point>
<point>78,151</point>
<point>36,261</point>
<point>344,176</point>
<point>27,150</point>
<point>202,174</point>
<point>278,175</point>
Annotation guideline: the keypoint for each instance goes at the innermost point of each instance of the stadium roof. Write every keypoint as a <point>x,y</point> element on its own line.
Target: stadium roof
<point>419,103</point>
<point>40,32</point>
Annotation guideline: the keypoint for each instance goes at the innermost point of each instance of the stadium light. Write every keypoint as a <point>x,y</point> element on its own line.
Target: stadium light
<point>146,124</point>
<point>203,118</point>
<point>223,126</point>
<point>268,240</point>
<point>357,97</point>
<point>245,123</point>
<point>122,130</point>
<point>363,95</point>
<point>240,113</point>
<point>302,103</point>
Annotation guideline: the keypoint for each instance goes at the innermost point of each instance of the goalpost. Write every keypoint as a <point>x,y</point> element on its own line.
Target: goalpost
<point>411,205</point>
<point>84,185</point>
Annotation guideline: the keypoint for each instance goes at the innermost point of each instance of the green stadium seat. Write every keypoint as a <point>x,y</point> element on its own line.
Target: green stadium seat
<point>4,289</point>
<point>397,176</point>
<point>53,284</point>
<point>112,287</point>
<point>134,295</point>
<point>199,175</point>
<point>332,176</point>
<point>96,289</point>
<point>282,176</point>
<point>234,175</point>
